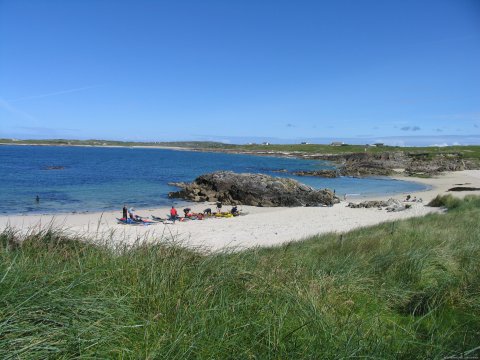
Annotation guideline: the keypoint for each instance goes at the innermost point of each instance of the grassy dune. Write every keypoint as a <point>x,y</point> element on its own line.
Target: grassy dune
<point>402,290</point>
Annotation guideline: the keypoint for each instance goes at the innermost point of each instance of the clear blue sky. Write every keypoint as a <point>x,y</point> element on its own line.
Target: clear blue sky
<point>241,70</point>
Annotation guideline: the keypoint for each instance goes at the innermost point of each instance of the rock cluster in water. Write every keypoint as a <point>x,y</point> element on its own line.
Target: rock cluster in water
<point>54,168</point>
<point>252,189</point>
<point>318,173</point>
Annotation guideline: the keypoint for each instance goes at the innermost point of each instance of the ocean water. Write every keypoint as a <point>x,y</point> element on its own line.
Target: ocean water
<point>78,179</point>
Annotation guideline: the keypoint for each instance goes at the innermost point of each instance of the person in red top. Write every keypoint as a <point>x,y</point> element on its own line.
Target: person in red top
<point>173,214</point>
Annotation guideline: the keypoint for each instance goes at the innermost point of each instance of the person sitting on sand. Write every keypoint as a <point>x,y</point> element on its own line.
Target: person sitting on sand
<point>173,214</point>
<point>131,213</point>
<point>408,198</point>
<point>219,206</point>
<point>207,212</point>
<point>186,212</point>
<point>234,211</point>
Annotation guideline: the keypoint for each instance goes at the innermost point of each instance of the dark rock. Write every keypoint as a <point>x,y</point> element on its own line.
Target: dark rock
<point>278,170</point>
<point>54,168</point>
<point>368,204</point>
<point>365,164</point>
<point>319,173</point>
<point>390,205</point>
<point>253,189</point>
<point>463,188</point>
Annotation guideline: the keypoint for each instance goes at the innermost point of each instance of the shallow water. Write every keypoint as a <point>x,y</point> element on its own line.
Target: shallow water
<point>69,179</point>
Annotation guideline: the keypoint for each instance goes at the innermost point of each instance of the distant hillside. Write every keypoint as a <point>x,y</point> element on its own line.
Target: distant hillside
<point>466,152</point>
<point>99,142</point>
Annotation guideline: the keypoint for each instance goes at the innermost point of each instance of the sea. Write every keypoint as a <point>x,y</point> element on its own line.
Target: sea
<point>87,179</point>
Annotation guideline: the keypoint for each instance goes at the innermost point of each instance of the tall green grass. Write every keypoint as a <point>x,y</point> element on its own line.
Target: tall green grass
<point>409,289</point>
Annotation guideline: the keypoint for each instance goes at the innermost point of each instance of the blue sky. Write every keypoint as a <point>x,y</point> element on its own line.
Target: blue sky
<point>404,72</point>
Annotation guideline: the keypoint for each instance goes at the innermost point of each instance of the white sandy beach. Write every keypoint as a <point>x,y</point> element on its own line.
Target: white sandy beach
<point>259,227</point>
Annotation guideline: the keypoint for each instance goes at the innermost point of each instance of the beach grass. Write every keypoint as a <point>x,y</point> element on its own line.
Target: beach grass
<point>408,289</point>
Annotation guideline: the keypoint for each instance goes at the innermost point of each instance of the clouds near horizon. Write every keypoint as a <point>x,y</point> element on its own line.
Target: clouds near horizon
<point>410,128</point>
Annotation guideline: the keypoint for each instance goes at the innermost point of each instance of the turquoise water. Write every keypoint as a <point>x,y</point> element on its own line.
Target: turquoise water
<point>95,179</point>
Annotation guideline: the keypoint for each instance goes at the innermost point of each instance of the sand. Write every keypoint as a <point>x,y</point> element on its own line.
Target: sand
<point>258,227</point>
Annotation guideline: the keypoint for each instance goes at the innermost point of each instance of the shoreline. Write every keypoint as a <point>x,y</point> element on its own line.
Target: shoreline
<point>180,203</point>
<point>186,203</point>
<point>269,153</point>
<point>104,146</point>
<point>261,226</point>
<point>266,153</point>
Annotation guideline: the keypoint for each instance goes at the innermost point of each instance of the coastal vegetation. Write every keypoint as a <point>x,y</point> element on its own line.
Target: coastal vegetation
<point>466,152</point>
<point>401,290</point>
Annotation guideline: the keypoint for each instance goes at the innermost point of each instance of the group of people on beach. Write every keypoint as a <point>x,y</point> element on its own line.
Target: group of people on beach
<point>414,199</point>
<point>188,214</point>
<point>129,213</point>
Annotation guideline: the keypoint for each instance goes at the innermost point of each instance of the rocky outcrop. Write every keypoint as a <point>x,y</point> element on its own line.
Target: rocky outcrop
<point>253,189</point>
<point>425,164</point>
<point>390,205</point>
<point>366,164</point>
<point>415,164</point>
<point>371,204</point>
<point>373,163</point>
<point>365,168</point>
<point>318,173</point>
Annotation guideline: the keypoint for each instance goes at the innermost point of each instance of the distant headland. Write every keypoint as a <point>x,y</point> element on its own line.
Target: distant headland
<point>352,160</point>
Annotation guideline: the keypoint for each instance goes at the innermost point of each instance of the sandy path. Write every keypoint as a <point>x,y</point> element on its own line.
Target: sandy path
<point>260,227</point>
